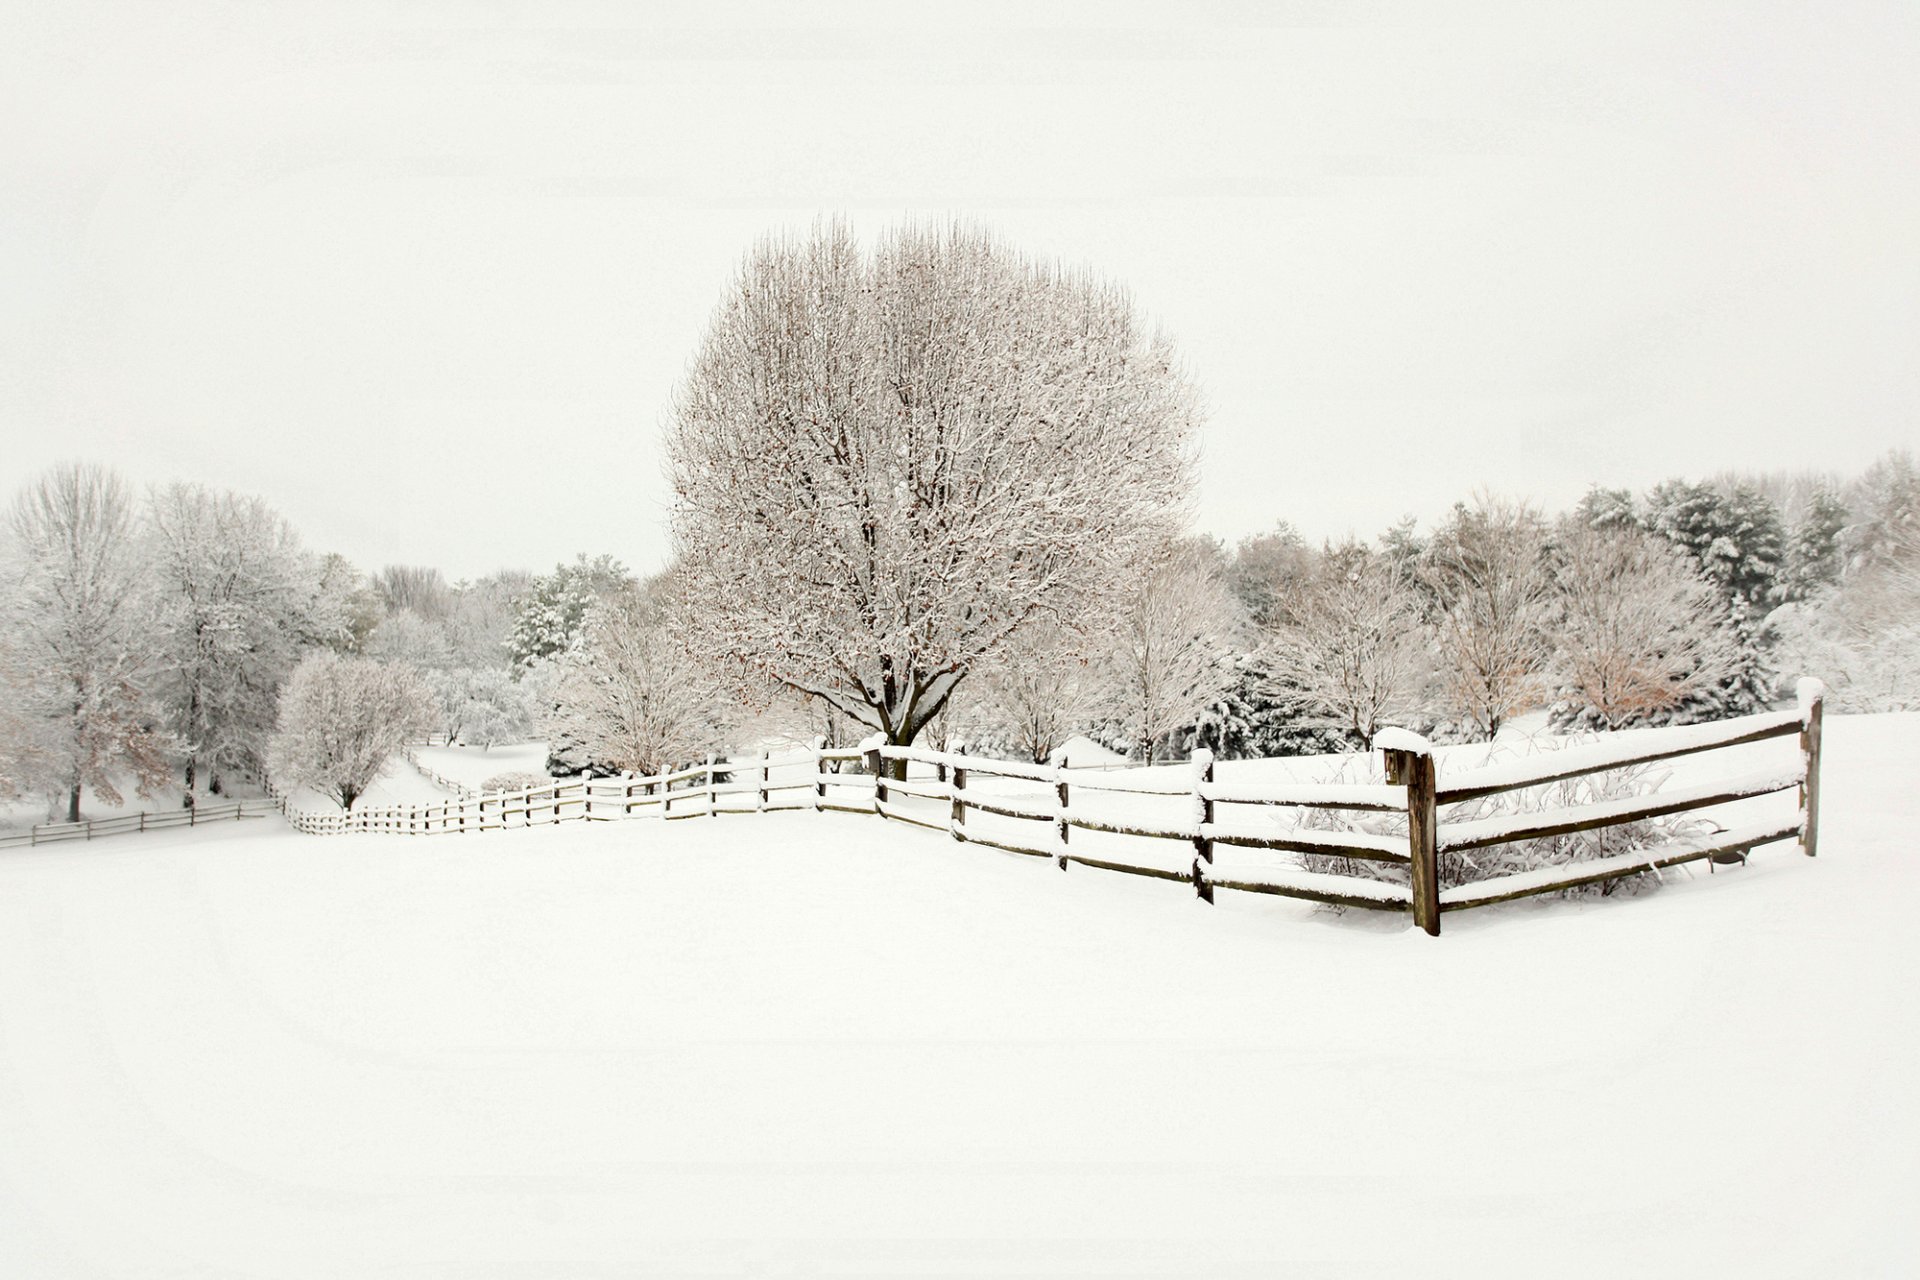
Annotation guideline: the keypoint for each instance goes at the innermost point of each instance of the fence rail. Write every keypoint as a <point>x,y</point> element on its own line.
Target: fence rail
<point>128,823</point>
<point>1412,794</point>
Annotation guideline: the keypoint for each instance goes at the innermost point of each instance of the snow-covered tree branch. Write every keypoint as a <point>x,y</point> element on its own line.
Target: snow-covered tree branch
<point>885,463</point>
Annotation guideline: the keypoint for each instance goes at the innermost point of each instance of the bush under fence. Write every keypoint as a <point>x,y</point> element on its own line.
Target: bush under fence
<point>1219,834</point>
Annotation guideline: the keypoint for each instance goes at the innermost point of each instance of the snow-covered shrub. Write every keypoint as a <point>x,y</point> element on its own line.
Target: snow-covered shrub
<point>514,780</point>
<point>341,719</point>
<point>1467,866</point>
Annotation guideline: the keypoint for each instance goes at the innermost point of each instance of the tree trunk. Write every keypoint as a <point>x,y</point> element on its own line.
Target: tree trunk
<point>73,803</point>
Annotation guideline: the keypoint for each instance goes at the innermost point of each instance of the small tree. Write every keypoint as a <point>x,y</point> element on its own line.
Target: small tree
<point>1037,690</point>
<point>551,613</point>
<point>630,694</point>
<point>1353,644</point>
<point>342,719</point>
<point>1172,647</point>
<point>1641,634</point>
<point>1487,574</point>
<point>481,704</point>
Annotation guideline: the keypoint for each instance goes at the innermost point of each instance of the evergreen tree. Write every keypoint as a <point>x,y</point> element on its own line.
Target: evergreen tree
<point>1814,551</point>
<point>552,614</point>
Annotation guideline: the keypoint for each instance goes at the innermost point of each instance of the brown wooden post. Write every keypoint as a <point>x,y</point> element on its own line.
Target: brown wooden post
<point>713,799</point>
<point>1813,697</point>
<point>765,776</point>
<point>876,766</point>
<point>819,769</point>
<point>1060,811</point>
<point>1412,766</point>
<point>957,819</point>
<point>1203,818</point>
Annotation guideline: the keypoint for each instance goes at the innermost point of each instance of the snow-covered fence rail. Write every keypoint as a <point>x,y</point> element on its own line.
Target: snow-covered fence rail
<point>1218,841</point>
<point>434,776</point>
<point>126,824</point>
<point>1410,761</point>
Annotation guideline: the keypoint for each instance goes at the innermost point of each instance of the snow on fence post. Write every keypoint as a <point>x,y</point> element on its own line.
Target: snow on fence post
<point>1812,697</point>
<point>1202,821</point>
<point>1060,809</point>
<point>870,748</point>
<point>713,794</point>
<point>819,770</point>
<point>957,818</point>
<point>1410,763</point>
<point>765,776</point>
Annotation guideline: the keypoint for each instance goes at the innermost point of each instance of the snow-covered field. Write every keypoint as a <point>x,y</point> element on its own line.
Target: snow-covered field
<point>819,1044</point>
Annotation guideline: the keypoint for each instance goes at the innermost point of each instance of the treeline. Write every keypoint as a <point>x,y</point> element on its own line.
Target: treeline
<point>1694,600</point>
<point>186,637</point>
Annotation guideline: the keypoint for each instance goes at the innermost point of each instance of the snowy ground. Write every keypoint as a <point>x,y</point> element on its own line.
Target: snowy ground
<point>812,1044</point>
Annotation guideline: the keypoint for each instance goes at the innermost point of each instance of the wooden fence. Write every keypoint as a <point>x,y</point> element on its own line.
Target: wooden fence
<point>126,824</point>
<point>1221,818</point>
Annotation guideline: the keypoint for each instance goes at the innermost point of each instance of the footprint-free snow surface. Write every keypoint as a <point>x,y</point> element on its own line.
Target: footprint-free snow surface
<point>820,1044</point>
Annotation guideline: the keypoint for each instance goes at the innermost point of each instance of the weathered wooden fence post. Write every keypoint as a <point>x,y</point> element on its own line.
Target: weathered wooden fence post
<point>1060,807</point>
<point>766,771</point>
<point>1410,763</point>
<point>819,770</point>
<point>713,795</point>
<point>1813,697</point>
<point>1202,823</point>
<point>877,766</point>
<point>957,818</point>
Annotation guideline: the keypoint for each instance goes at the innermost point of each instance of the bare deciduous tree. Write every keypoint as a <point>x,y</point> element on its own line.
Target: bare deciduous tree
<point>1173,644</point>
<point>1486,570</point>
<point>886,463</point>
<point>1038,689</point>
<point>630,694</point>
<point>342,719</point>
<point>80,647</point>
<point>235,594</point>
<point>1641,631</point>
<point>1352,645</point>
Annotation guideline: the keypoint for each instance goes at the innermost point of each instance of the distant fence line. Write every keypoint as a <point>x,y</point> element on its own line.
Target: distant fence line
<point>1413,789</point>
<point>126,824</point>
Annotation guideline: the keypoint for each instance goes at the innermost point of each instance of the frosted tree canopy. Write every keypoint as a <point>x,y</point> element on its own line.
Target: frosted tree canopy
<point>887,461</point>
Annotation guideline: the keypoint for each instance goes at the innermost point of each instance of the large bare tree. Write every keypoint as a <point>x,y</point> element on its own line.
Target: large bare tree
<point>235,595</point>
<point>885,463</point>
<point>80,645</point>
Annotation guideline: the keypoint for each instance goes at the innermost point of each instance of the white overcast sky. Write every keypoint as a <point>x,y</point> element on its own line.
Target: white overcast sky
<point>424,275</point>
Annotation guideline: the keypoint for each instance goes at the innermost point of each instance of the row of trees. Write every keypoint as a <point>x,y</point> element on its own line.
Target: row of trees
<point>934,487</point>
<point>148,639</point>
